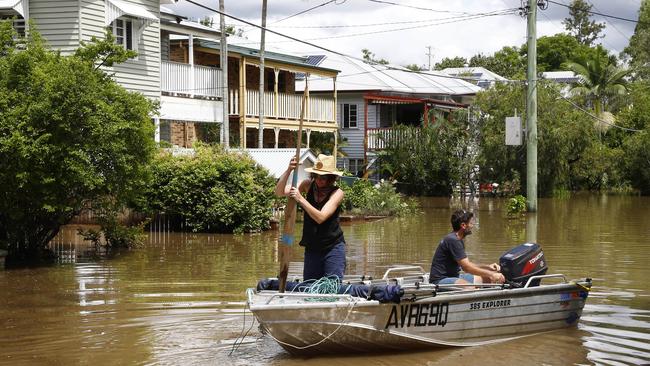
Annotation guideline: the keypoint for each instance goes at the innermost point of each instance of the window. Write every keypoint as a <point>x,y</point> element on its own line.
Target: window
<point>349,115</point>
<point>17,23</point>
<point>354,166</point>
<point>123,32</point>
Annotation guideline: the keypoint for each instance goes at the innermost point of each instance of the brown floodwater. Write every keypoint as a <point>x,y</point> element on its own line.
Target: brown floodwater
<point>180,299</point>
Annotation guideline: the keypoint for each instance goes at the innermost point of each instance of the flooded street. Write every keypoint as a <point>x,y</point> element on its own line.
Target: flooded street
<point>180,299</point>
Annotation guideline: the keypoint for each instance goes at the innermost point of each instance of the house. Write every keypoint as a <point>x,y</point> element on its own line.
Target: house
<point>178,65</point>
<point>66,23</point>
<point>480,76</point>
<point>372,99</point>
<point>281,103</point>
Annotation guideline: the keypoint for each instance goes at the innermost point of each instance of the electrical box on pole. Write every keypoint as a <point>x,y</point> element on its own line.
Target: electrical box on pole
<point>513,131</point>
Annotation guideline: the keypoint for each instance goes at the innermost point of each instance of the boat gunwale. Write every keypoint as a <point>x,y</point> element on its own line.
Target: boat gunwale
<point>446,296</point>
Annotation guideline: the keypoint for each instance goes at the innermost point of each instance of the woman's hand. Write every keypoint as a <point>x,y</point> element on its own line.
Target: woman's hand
<point>292,164</point>
<point>295,194</point>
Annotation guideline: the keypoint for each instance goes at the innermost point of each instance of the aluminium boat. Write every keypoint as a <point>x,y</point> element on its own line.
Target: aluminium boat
<point>417,314</point>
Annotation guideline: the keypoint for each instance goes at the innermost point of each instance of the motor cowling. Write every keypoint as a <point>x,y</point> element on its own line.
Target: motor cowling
<point>522,262</point>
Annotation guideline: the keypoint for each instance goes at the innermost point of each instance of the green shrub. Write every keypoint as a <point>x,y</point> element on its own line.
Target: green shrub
<point>212,191</point>
<point>516,205</point>
<point>362,197</point>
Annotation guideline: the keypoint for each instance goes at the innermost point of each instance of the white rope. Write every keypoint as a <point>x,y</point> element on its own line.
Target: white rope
<point>352,304</point>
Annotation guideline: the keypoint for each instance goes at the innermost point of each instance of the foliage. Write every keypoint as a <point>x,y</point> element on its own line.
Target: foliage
<point>553,52</point>
<point>506,62</point>
<point>638,50</point>
<point>448,62</point>
<point>369,57</point>
<point>416,67</point>
<point>433,159</point>
<point>113,234</point>
<point>601,80</point>
<point>362,197</point>
<point>212,191</point>
<point>323,143</point>
<point>564,136</point>
<point>516,205</point>
<point>636,145</point>
<point>69,138</point>
<point>580,26</point>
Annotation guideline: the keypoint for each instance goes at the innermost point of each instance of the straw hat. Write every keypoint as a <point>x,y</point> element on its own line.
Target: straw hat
<point>325,165</point>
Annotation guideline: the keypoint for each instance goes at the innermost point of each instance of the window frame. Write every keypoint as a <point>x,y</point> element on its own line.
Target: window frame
<point>128,34</point>
<point>346,117</point>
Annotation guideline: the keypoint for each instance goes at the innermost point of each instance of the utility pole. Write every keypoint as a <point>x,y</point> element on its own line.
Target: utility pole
<point>225,125</point>
<point>531,110</point>
<point>260,142</point>
<point>429,54</point>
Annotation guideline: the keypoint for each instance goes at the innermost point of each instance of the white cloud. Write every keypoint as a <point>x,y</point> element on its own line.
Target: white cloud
<point>457,38</point>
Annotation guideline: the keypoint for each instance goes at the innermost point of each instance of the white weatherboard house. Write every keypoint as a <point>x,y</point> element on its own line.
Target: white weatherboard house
<point>371,99</point>
<point>137,25</point>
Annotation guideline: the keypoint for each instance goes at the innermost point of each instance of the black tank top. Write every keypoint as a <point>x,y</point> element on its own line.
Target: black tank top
<point>325,235</point>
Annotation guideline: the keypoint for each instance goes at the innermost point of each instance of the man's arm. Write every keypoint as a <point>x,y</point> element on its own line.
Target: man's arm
<point>477,270</point>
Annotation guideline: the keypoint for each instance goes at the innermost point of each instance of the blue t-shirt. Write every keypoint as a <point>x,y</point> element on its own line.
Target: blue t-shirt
<point>445,261</point>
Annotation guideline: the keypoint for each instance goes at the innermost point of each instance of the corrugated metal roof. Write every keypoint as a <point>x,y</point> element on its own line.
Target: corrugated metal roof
<point>356,75</point>
<point>475,72</point>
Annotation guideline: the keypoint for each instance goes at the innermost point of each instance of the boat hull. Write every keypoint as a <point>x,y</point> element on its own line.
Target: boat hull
<point>454,319</point>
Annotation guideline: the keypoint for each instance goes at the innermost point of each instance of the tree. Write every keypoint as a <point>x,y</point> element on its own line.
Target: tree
<point>580,26</point>
<point>601,79</point>
<point>451,62</point>
<point>638,50</point>
<point>70,137</point>
<point>566,142</point>
<point>207,21</point>
<point>369,57</point>
<point>506,62</point>
<point>415,67</point>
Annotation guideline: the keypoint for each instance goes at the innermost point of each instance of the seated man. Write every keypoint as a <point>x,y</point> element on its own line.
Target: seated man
<point>450,257</point>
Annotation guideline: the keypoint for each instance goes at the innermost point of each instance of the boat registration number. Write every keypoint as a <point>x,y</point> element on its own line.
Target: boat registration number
<point>418,315</point>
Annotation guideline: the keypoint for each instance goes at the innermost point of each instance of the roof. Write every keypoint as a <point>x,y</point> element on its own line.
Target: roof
<point>269,54</point>
<point>561,76</point>
<point>480,73</point>
<point>277,160</point>
<point>356,75</point>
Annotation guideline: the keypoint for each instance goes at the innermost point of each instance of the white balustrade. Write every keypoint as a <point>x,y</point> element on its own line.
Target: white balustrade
<point>176,77</point>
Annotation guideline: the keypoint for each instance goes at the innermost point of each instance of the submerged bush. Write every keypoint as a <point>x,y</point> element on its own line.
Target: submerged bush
<point>362,197</point>
<point>212,191</point>
<point>516,205</point>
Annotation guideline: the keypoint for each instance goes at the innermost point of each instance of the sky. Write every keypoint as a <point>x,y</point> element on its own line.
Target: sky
<point>401,30</point>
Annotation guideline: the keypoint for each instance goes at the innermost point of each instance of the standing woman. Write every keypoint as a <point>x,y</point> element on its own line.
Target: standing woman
<point>322,236</point>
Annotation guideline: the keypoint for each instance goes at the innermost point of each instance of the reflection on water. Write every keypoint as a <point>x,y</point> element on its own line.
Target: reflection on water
<point>180,300</point>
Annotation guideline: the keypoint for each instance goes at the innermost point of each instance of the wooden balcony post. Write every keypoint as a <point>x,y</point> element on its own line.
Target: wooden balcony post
<point>276,72</point>
<point>308,132</point>
<point>242,102</point>
<point>308,104</point>
<point>276,130</point>
<point>365,132</point>
<point>335,106</point>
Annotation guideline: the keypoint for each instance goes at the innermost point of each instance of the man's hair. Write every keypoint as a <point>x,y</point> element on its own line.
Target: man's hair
<point>459,217</point>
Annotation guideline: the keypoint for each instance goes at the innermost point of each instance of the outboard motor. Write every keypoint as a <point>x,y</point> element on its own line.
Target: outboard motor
<point>522,262</point>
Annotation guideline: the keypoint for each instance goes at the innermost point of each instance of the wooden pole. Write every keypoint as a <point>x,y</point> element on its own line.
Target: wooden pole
<point>287,238</point>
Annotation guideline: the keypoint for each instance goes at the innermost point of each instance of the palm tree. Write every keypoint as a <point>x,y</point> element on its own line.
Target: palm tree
<point>601,80</point>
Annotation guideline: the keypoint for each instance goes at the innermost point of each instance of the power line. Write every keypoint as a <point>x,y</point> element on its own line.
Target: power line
<point>305,11</point>
<point>434,23</point>
<point>601,14</point>
<point>612,24</point>
<point>416,7</point>
<point>313,44</point>
<point>596,117</point>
